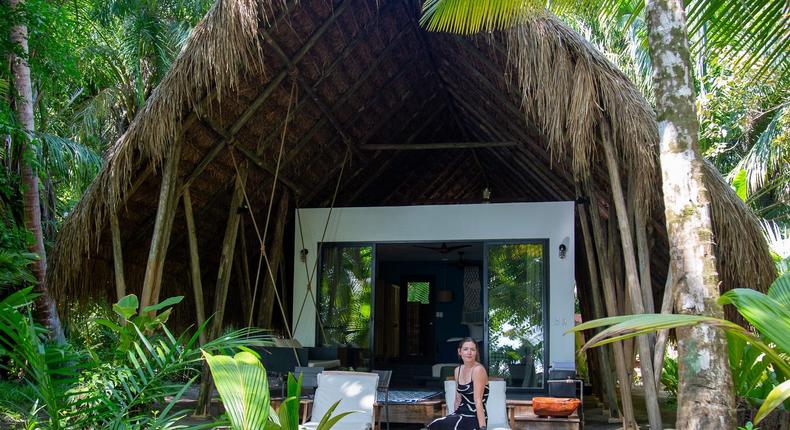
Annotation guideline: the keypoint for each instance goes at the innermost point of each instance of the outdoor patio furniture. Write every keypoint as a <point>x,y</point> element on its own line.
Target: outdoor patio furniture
<point>384,387</point>
<point>356,391</point>
<point>309,378</point>
<point>499,416</point>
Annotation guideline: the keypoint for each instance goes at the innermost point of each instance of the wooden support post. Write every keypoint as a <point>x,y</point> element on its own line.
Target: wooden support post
<point>598,312</point>
<point>629,422</point>
<point>661,339</point>
<point>632,278</point>
<point>275,255</point>
<point>643,254</point>
<point>223,280</point>
<point>168,201</point>
<point>244,267</point>
<point>194,266</point>
<point>117,257</point>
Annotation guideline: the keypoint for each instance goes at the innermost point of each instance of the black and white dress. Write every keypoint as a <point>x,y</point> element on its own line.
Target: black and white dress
<point>465,417</point>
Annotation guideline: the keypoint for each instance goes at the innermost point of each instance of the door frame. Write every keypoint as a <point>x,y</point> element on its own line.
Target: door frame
<point>546,308</point>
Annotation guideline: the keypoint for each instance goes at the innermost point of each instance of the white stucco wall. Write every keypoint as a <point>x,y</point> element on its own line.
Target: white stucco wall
<point>552,220</point>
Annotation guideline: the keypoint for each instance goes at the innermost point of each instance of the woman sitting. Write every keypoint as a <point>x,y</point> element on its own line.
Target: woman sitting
<point>469,411</point>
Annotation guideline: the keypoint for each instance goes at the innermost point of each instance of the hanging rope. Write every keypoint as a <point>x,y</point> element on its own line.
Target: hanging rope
<point>310,274</point>
<point>263,257</point>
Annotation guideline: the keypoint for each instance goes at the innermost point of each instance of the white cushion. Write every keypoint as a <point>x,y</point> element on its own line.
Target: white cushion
<point>496,406</point>
<point>356,391</point>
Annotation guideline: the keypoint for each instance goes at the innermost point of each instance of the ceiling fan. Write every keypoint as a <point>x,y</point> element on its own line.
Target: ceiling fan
<point>444,249</point>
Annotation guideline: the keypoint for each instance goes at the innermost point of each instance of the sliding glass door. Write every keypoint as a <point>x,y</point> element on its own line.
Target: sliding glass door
<point>517,308</point>
<point>344,301</point>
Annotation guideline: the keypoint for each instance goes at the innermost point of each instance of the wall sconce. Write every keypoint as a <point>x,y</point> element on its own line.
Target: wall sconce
<point>303,254</point>
<point>486,194</point>
<point>563,250</point>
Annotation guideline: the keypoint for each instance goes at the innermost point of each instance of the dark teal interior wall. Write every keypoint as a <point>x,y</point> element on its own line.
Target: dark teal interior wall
<point>447,276</point>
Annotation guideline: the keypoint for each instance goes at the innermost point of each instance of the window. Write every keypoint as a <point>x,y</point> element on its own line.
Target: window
<point>516,313</point>
<point>419,292</point>
<point>344,296</point>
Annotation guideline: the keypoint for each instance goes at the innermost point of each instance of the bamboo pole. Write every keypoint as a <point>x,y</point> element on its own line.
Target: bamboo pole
<point>223,280</point>
<point>629,422</point>
<point>632,278</point>
<point>643,254</point>
<point>245,271</point>
<point>242,275</point>
<point>168,201</point>
<point>194,265</point>
<point>117,257</point>
<point>266,306</point>
<point>605,368</point>
<point>661,339</point>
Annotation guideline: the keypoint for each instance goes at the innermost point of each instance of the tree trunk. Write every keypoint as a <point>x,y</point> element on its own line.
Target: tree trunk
<point>705,397</point>
<point>46,312</point>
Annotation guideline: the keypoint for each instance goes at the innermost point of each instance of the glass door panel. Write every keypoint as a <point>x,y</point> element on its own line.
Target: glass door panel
<point>517,313</point>
<point>344,301</point>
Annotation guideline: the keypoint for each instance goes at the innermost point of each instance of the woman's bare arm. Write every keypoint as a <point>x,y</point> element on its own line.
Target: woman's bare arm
<point>480,379</point>
<point>457,395</point>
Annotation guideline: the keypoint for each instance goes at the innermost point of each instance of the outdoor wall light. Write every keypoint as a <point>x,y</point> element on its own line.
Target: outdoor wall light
<point>563,250</point>
<point>486,194</point>
<point>303,255</point>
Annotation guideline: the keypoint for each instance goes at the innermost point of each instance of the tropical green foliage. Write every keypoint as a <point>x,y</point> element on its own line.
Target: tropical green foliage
<point>768,314</point>
<point>75,388</point>
<point>244,389</point>
<point>344,295</point>
<point>287,416</point>
<point>242,385</point>
<point>516,286</point>
<point>753,32</point>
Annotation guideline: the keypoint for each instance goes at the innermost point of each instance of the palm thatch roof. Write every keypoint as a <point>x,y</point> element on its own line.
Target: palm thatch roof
<point>355,76</point>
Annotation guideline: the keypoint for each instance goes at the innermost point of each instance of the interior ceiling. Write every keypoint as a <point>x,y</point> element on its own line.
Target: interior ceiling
<point>341,75</point>
<point>452,252</point>
<point>352,74</point>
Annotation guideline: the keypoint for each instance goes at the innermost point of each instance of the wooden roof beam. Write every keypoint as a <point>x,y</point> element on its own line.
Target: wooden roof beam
<point>485,123</point>
<point>432,146</point>
<point>526,186</point>
<point>343,98</point>
<point>537,149</point>
<point>426,46</point>
<point>390,113</point>
<point>355,41</point>
<point>252,156</point>
<point>309,89</point>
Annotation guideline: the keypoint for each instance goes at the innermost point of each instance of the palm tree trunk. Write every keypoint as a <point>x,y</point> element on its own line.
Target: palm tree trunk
<point>46,312</point>
<point>705,398</point>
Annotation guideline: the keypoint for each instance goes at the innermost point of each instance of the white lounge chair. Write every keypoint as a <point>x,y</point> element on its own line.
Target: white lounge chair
<point>498,417</point>
<point>356,392</point>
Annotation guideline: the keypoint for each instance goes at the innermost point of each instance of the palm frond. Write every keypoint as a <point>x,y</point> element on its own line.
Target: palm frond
<point>69,159</point>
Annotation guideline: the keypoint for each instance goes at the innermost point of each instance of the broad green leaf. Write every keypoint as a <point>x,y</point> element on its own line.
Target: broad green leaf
<point>780,290</point>
<point>242,385</point>
<point>779,394</point>
<point>127,306</point>
<point>770,318</point>
<point>109,324</point>
<point>163,304</point>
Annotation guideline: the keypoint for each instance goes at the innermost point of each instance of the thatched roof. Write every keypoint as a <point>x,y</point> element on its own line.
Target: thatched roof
<point>364,73</point>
